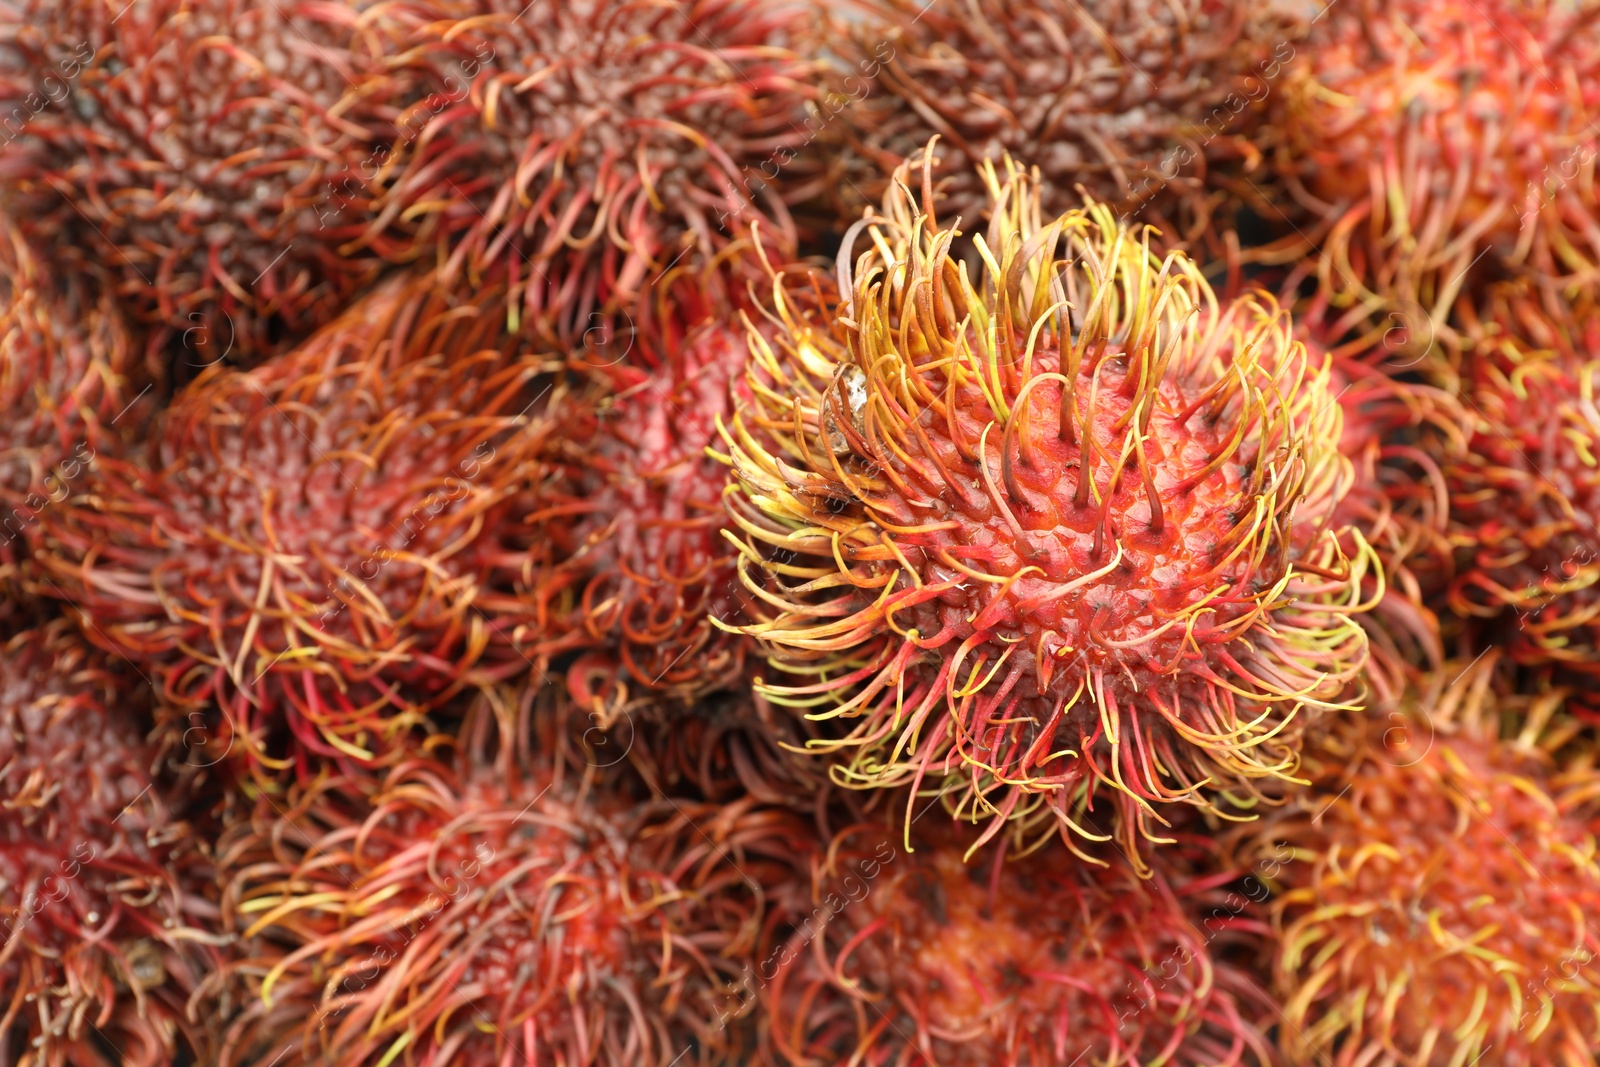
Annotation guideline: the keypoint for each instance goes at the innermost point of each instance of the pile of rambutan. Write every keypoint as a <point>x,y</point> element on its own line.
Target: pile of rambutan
<point>799,533</point>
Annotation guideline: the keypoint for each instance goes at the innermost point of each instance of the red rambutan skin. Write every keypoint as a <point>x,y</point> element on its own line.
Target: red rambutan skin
<point>305,542</point>
<point>590,145</point>
<point>223,157</point>
<point>982,590</point>
<point>100,881</point>
<point>1525,485</point>
<point>1441,141</point>
<point>1134,101</point>
<point>1436,885</point>
<point>913,958</point>
<point>635,522</point>
<point>483,910</point>
<point>66,363</point>
<point>1398,499</point>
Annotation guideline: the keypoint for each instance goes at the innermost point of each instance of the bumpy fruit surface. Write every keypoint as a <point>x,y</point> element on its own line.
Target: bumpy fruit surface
<point>1441,140</point>
<point>304,543</point>
<point>1059,531</point>
<point>600,142</point>
<point>1525,488</point>
<point>221,156</point>
<point>1437,887</point>
<point>1132,100</point>
<point>919,958</point>
<point>100,880</point>
<point>66,361</point>
<point>492,911</point>
<point>632,524</point>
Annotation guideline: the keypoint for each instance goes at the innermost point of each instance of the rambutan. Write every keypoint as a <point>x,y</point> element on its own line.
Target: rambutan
<point>1525,485</point>
<point>1443,142</point>
<point>1436,886</point>
<point>1000,590</point>
<point>98,876</point>
<point>634,528</point>
<point>304,542</point>
<point>1131,100</point>
<point>486,911</point>
<point>65,361</point>
<point>1398,500</point>
<point>602,140</point>
<point>918,958</point>
<point>221,156</point>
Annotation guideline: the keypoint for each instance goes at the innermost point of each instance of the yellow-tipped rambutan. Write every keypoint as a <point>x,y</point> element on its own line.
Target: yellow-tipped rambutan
<point>998,591</point>
<point>918,958</point>
<point>303,544</point>
<point>1436,886</point>
<point>491,909</point>
<point>102,918</point>
<point>1441,142</point>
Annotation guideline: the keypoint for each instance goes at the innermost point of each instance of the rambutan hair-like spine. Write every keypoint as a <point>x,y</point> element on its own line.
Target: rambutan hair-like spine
<point>914,450</point>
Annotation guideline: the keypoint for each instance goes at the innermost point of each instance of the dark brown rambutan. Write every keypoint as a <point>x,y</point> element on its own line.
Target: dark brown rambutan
<point>1440,142</point>
<point>993,591</point>
<point>1437,887</point>
<point>104,932</point>
<point>1132,100</point>
<point>304,543</point>
<point>602,140</point>
<point>498,911</point>
<point>65,360</point>
<point>1525,486</point>
<point>917,958</point>
<point>222,156</point>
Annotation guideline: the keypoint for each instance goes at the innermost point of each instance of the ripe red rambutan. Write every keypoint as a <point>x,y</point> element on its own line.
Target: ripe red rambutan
<point>601,140</point>
<point>634,524</point>
<point>222,156</point>
<point>1130,99</point>
<point>487,911</point>
<point>1436,886</point>
<point>99,879</point>
<point>304,542</point>
<point>1001,593</point>
<point>914,958</point>
<point>1442,141</point>
<point>65,360</point>
<point>1398,499</point>
<point>1525,485</point>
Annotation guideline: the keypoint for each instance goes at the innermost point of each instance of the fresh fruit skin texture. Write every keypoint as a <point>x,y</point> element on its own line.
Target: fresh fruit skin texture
<point>1134,101</point>
<point>1525,486</point>
<point>491,908</point>
<point>937,575</point>
<point>304,543</point>
<point>1443,142</point>
<point>105,930</point>
<point>221,156</point>
<point>920,958</point>
<point>634,519</point>
<point>1436,885</point>
<point>67,361</point>
<point>598,143</point>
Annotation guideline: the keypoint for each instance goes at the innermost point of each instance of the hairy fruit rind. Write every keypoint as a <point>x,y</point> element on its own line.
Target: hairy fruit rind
<point>1003,595</point>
